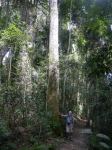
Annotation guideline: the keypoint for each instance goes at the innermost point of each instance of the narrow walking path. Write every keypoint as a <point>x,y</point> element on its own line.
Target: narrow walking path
<point>79,141</point>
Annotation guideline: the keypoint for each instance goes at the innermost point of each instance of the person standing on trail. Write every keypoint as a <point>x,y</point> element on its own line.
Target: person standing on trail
<point>69,124</point>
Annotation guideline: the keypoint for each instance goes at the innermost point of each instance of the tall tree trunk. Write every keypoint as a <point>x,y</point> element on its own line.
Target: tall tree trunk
<point>24,66</point>
<point>53,85</point>
<point>25,71</point>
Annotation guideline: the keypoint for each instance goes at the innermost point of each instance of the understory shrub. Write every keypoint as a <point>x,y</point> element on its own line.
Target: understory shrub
<point>100,141</point>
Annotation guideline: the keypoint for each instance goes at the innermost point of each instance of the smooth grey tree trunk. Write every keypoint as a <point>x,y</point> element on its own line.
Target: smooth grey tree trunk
<point>53,84</point>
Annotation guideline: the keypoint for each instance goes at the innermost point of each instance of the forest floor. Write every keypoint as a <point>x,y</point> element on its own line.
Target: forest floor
<point>79,141</point>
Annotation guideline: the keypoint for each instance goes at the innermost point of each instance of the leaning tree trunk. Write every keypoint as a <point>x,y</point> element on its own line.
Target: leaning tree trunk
<point>53,80</point>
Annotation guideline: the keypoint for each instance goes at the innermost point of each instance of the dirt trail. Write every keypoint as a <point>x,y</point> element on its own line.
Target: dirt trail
<point>79,141</point>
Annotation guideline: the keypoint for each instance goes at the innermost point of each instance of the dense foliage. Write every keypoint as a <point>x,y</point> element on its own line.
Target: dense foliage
<point>85,70</point>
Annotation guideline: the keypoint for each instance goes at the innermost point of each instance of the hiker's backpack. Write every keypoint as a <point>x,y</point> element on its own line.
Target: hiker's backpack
<point>69,120</point>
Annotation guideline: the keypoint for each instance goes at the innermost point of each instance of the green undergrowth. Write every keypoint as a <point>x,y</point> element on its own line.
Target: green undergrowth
<point>32,138</point>
<point>99,141</point>
<point>37,146</point>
